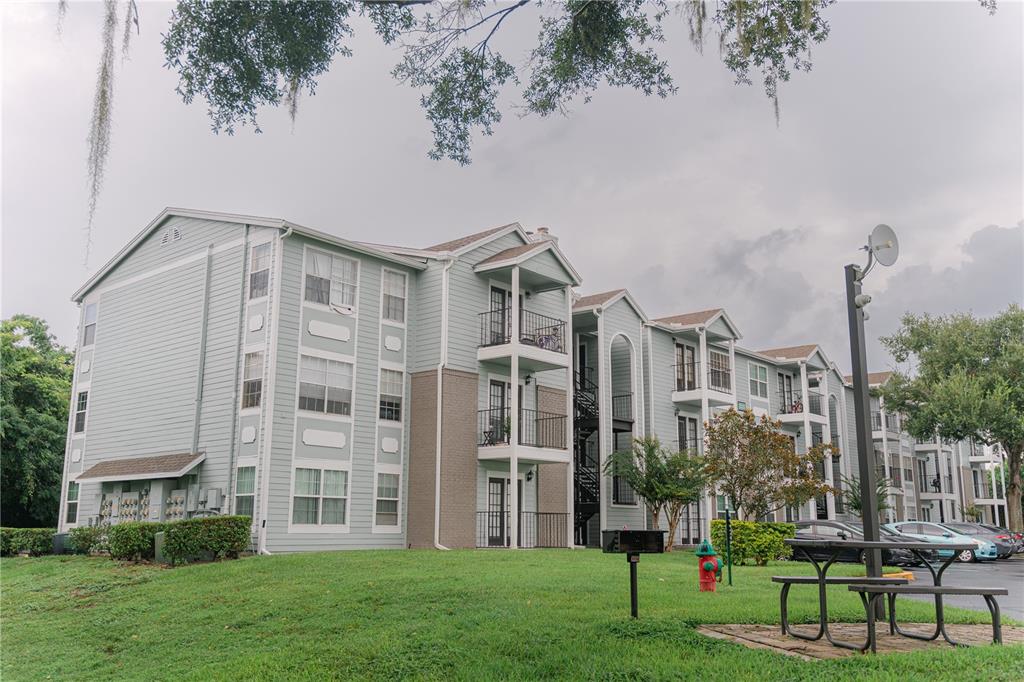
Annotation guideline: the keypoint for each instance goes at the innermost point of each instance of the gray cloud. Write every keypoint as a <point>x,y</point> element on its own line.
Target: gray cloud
<point>696,201</point>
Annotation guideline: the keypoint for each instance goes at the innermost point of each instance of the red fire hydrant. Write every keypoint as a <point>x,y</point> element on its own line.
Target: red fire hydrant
<point>709,566</point>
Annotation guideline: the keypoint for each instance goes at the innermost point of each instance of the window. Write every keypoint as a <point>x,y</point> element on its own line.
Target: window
<point>387,500</point>
<point>686,428</point>
<point>89,322</point>
<point>252,381</point>
<point>259,270</point>
<point>316,504</point>
<point>325,386</point>
<point>80,407</point>
<point>720,373</point>
<point>622,492</point>
<point>331,280</point>
<point>721,504</point>
<point>391,384</point>
<point>71,515</point>
<point>758,381</point>
<point>394,296</point>
<point>245,489</point>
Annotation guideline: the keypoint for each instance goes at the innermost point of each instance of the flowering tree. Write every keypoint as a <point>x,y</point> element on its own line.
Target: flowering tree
<point>757,467</point>
<point>667,481</point>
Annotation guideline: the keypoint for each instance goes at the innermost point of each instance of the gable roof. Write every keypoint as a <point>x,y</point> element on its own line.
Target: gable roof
<point>606,299</point>
<point>791,352</point>
<point>686,319</point>
<point>240,220</point>
<point>511,254</point>
<point>472,239</point>
<point>596,300</point>
<point>874,378</point>
<point>157,466</point>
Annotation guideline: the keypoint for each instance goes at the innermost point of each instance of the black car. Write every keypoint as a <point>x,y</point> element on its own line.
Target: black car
<point>887,534</point>
<point>1017,538</point>
<point>838,530</point>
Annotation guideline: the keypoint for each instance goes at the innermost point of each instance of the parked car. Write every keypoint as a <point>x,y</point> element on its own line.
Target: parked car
<point>1004,545</point>
<point>1003,533</point>
<point>889,534</point>
<point>933,532</point>
<point>837,530</point>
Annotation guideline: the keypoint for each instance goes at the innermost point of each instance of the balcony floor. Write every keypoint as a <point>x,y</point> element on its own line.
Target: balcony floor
<point>531,358</point>
<point>526,454</point>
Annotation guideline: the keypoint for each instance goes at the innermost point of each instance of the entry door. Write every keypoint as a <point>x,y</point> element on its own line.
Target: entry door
<point>686,368</point>
<point>786,392</point>
<point>497,533</point>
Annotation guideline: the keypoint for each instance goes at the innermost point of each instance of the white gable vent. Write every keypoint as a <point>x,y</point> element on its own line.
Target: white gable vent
<point>171,235</point>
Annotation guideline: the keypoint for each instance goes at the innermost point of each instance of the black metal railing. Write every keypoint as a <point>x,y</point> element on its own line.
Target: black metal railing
<point>535,329</point>
<point>792,402</point>
<point>536,529</point>
<point>720,378</point>
<point>537,429</point>
<point>542,429</point>
<point>622,406</point>
<point>687,376</point>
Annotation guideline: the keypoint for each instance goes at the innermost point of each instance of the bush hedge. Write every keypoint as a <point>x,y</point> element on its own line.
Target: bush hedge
<point>86,539</point>
<point>213,536</point>
<point>756,540</point>
<point>34,541</point>
<point>133,540</point>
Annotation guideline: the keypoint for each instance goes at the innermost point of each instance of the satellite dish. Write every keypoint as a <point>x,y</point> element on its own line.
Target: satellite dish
<point>885,248</point>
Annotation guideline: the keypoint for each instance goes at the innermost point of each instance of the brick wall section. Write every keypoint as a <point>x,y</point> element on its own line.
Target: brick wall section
<point>458,459</point>
<point>551,477</point>
<point>422,451</point>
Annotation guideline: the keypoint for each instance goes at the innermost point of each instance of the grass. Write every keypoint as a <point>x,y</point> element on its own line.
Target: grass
<point>472,615</point>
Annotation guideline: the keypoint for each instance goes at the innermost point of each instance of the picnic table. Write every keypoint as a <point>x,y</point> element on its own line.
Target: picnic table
<point>870,589</point>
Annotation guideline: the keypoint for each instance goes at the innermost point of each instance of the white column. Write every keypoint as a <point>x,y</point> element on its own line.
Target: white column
<point>883,419</point>
<point>826,435</point>
<point>702,376</point>
<point>732,369</point>
<point>570,340</point>
<point>513,457</point>
<point>805,403</point>
<point>603,425</point>
<point>1002,478</point>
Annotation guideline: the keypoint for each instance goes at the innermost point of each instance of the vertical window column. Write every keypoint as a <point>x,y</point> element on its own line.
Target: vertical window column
<point>81,407</point>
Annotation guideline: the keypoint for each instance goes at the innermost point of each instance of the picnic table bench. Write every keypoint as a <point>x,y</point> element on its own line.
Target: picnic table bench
<point>870,589</point>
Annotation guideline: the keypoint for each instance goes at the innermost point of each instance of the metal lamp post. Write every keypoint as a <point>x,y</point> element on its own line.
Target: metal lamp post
<point>882,248</point>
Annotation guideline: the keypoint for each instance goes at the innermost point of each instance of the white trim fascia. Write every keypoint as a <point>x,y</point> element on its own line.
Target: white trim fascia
<point>486,239</point>
<point>539,248</point>
<point>624,294</point>
<point>240,219</point>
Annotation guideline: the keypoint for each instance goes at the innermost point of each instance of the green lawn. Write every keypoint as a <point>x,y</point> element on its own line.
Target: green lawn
<point>551,614</point>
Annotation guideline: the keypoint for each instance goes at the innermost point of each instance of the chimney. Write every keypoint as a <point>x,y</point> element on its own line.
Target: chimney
<point>544,235</point>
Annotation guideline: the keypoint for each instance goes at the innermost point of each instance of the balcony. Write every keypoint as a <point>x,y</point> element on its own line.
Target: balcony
<point>536,529</point>
<point>622,407</point>
<point>541,343</point>
<point>792,406</point>
<point>889,422</point>
<point>690,381</point>
<point>543,432</point>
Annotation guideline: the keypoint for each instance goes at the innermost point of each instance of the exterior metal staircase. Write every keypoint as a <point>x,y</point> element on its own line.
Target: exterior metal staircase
<point>586,467</point>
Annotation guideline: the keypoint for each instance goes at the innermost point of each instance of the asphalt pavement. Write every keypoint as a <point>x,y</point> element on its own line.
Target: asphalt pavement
<point>1008,573</point>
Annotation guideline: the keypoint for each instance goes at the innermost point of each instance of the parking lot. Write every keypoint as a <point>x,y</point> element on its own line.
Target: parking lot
<point>1008,573</point>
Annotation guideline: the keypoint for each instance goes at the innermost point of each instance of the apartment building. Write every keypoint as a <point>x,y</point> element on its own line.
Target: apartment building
<point>353,395</point>
<point>932,479</point>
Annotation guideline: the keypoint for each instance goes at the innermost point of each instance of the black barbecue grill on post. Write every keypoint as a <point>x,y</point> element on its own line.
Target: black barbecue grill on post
<point>633,543</point>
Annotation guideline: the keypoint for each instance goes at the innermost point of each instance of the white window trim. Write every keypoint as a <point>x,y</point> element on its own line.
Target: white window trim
<point>767,383</point>
<point>324,355</point>
<point>306,249</point>
<point>405,404</point>
<point>81,388</point>
<point>247,411</point>
<point>249,271</point>
<point>399,527</point>
<point>249,462</point>
<point>86,304</point>
<point>65,502</point>
<point>321,464</point>
<point>391,323</point>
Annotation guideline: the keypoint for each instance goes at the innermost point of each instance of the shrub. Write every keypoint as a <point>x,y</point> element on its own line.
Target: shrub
<point>133,540</point>
<point>85,539</point>
<point>216,536</point>
<point>760,541</point>
<point>34,541</point>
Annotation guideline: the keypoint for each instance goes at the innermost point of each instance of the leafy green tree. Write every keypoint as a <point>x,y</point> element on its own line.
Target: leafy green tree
<point>851,495</point>
<point>35,385</point>
<point>968,383</point>
<point>753,463</point>
<point>667,481</point>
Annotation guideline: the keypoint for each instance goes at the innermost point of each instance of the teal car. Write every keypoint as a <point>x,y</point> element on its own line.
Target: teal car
<point>933,532</point>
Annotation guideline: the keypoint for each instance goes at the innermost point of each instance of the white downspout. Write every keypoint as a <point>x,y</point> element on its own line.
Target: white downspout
<point>268,442</point>
<point>440,393</point>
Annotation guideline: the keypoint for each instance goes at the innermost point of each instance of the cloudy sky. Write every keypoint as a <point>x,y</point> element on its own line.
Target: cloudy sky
<point>912,116</point>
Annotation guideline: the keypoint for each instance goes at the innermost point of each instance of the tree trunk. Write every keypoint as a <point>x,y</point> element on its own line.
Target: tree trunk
<point>1013,489</point>
<point>673,525</point>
